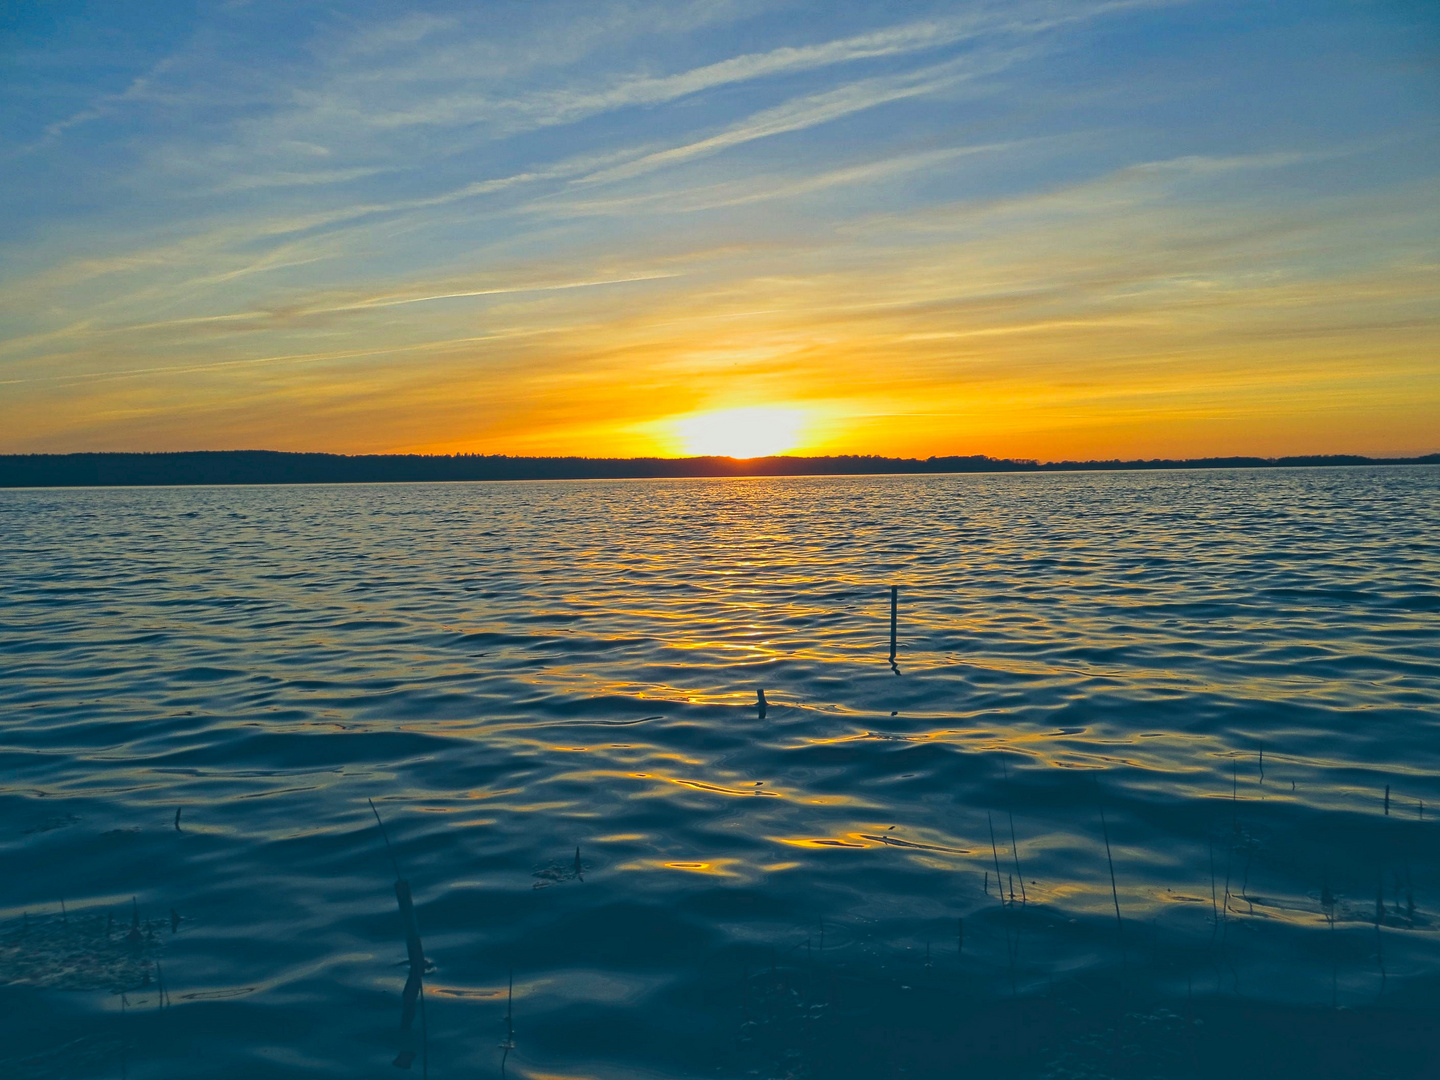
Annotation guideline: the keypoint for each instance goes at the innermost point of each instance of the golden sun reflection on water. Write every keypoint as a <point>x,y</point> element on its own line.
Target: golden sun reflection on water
<point>712,867</point>
<point>579,781</point>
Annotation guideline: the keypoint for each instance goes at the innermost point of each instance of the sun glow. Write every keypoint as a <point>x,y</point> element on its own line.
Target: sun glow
<point>758,431</point>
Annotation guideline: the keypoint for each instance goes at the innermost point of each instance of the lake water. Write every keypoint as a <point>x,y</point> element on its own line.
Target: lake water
<point>1231,666</point>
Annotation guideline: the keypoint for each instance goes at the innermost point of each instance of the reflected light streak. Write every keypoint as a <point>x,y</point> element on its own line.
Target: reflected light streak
<point>866,840</point>
<point>713,867</point>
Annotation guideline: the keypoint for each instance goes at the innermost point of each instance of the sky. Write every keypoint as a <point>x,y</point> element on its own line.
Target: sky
<point>1079,229</point>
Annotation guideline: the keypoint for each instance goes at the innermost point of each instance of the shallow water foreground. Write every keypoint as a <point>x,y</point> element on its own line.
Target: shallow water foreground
<point>1147,788</point>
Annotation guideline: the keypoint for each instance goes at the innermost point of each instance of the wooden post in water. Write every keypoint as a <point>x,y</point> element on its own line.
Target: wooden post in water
<point>894,616</point>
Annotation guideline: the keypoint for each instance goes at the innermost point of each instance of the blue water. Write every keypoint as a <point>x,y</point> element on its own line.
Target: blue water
<point>1231,666</point>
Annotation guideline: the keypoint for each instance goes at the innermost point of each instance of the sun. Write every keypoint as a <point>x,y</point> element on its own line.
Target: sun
<point>759,431</point>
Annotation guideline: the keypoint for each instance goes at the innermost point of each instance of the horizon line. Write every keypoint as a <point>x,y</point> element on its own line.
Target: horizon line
<point>167,468</point>
<point>457,455</point>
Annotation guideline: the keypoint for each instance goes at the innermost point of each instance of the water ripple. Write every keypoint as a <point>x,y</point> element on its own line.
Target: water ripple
<point>550,691</point>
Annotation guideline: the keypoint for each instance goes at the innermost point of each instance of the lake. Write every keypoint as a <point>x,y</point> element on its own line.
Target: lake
<point>1206,702</point>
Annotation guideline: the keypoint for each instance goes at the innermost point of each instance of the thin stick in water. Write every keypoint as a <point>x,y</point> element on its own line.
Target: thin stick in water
<point>894,616</point>
<point>1114,890</point>
<point>1214,904</point>
<point>995,854</point>
<point>1014,847</point>
<point>386,835</point>
<point>1010,950</point>
<point>509,1022</point>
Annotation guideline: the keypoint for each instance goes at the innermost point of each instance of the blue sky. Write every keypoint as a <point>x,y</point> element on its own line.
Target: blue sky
<point>1043,229</point>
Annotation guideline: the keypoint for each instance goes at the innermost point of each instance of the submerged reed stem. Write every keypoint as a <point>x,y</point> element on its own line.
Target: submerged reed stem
<point>1114,889</point>
<point>1010,949</point>
<point>1014,847</point>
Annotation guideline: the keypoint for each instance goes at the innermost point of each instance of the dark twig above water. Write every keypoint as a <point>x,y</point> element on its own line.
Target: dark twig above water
<point>415,984</point>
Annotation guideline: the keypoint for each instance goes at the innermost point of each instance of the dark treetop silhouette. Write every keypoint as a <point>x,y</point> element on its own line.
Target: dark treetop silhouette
<point>276,467</point>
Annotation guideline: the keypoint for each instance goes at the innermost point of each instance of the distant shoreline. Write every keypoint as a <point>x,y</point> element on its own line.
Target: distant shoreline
<point>280,467</point>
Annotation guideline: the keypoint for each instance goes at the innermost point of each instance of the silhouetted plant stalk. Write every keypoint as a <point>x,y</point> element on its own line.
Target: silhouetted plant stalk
<point>894,621</point>
<point>1214,903</point>
<point>1014,847</point>
<point>415,983</point>
<point>1010,949</point>
<point>509,1043</point>
<point>1114,889</point>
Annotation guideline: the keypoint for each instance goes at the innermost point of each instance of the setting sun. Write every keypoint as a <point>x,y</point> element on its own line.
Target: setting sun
<point>758,431</point>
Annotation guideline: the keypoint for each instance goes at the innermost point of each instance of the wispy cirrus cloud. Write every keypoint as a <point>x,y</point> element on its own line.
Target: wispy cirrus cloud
<point>813,110</point>
<point>587,215</point>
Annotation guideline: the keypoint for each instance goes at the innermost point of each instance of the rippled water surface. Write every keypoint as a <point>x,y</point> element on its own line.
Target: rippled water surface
<point>1233,667</point>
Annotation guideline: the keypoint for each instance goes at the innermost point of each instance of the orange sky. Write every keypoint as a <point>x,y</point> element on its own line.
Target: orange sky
<point>967,232</point>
